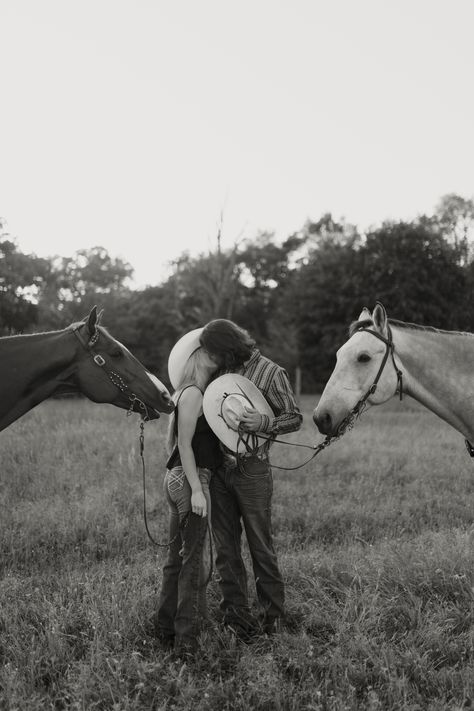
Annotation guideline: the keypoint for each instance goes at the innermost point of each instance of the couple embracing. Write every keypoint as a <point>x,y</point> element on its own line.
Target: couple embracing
<point>218,471</point>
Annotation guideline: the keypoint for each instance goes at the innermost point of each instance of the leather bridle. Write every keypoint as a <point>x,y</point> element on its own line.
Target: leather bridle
<point>115,378</point>
<point>359,407</point>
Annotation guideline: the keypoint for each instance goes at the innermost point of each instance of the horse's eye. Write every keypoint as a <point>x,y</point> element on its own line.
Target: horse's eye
<point>117,353</point>
<point>363,358</point>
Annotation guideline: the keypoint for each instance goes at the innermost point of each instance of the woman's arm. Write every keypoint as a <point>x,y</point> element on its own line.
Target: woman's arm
<point>189,409</point>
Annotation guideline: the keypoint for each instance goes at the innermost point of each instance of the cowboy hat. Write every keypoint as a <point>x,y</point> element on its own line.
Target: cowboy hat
<point>180,353</point>
<point>224,402</point>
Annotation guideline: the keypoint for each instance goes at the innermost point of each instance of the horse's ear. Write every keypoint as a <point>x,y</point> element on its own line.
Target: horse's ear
<point>92,321</point>
<point>364,314</point>
<point>379,317</point>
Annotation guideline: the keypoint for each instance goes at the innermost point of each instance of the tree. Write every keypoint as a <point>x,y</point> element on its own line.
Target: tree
<point>149,323</point>
<point>410,267</point>
<point>265,294</point>
<point>455,216</point>
<point>75,284</point>
<point>205,286</point>
<point>89,275</point>
<point>414,270</point>
<point>22,279</point>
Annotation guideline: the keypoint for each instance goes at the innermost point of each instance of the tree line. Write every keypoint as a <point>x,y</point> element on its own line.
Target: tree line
<point>297,297</point>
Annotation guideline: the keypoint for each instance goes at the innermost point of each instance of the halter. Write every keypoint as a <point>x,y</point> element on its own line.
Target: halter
<point>116,379</point>
<point>359,407</point>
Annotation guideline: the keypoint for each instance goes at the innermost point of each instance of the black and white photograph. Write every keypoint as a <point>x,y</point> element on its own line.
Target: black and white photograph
<point>236,355</point>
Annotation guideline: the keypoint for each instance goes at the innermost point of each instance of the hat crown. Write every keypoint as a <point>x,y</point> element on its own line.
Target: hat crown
<point>233,408</point>
<point>224,403</point>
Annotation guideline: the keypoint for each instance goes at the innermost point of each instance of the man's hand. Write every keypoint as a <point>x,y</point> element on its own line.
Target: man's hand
<point>251,420</point>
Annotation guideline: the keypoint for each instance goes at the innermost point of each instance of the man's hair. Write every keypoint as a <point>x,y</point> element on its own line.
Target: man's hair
<point>230,343</point>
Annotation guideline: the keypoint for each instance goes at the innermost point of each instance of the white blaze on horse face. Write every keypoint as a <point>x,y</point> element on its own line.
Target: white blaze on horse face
<point>158,384</point>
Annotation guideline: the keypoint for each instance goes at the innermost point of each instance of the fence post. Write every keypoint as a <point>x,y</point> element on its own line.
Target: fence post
<point>298,383</point>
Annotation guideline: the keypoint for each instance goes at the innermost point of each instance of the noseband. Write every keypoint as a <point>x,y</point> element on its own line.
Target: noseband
<point>359,407</point>
<point>115,378</point>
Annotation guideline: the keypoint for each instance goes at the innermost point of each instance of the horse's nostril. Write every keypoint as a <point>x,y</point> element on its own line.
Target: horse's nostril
<point>323,422</point>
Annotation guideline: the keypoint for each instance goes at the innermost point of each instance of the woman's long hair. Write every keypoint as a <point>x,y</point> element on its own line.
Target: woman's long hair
<point>229,343</point>
<point>196,372</point>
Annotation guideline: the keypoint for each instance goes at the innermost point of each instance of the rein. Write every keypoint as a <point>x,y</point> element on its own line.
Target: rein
<point>250,439</point>
<point>245,436</point>
<point>183,523</point>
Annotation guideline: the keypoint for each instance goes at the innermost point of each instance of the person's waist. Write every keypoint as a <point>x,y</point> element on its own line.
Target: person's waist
<point>230,458</point>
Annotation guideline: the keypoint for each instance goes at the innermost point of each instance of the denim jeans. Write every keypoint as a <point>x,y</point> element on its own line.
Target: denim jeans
<point>242,495</point>
<point>182,602</point>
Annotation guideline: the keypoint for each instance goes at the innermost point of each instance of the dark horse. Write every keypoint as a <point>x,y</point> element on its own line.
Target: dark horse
<point>82,358</point>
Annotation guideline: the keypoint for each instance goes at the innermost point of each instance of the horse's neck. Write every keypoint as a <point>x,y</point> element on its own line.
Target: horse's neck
<point>32,368</point>
<point>438,371</point>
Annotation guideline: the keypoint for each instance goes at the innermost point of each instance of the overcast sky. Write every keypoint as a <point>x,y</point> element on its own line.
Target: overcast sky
<point>132,124</point>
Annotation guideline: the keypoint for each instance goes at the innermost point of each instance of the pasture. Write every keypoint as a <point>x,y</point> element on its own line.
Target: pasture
<point>375,542</point>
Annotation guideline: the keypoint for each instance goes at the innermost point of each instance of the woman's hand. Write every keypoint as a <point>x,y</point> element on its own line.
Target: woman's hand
<point>198,503</point>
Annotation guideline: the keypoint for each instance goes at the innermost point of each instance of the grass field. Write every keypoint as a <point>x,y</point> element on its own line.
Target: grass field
<point>374,536</point>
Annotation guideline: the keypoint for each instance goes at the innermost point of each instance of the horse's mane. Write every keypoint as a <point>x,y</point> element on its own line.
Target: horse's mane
<point>368,323</point>
<point>71,327</point>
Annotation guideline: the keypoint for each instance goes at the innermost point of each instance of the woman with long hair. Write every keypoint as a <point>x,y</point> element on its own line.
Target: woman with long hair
<point>194,454</point>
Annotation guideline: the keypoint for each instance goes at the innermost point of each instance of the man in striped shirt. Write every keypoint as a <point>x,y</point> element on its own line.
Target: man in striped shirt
<point>241,490</point>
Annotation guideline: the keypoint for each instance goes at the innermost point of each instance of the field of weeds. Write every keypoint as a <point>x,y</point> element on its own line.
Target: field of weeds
<point>375,542</point>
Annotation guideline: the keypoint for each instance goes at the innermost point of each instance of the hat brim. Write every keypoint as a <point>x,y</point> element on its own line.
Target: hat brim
<point>214,396</point>
<point>180,353</point>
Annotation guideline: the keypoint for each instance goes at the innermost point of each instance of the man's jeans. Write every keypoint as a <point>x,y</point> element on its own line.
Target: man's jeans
<point>182,603</point>
<point>244,496</point>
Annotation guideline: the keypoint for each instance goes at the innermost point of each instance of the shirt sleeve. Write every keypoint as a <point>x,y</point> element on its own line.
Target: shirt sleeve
<point>281,399</point>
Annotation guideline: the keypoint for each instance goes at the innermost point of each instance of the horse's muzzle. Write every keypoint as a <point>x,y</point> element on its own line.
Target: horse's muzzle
<point>323,422</point>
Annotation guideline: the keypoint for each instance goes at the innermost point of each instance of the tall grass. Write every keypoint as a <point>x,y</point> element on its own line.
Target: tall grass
<point>374,538</point>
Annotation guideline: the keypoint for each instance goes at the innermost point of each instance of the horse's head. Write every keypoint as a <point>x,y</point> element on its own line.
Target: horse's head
<point>107,372</point>
<point>360,363</point>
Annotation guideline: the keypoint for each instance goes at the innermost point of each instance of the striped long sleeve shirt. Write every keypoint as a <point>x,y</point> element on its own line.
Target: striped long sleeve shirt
<point>274,384</point>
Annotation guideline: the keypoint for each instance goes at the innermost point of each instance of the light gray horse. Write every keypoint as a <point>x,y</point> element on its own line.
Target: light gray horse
<point>383,357</point>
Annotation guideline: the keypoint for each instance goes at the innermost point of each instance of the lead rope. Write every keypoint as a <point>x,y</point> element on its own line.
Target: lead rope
<point>244,438</point>
<point>182,524</point>
<point>251,443</point>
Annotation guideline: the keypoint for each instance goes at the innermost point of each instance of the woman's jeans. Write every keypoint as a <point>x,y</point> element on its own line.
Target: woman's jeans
<point>182,603</point>
<point>243,495</point>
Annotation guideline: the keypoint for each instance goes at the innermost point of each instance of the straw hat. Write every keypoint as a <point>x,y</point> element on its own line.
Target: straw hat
<point>224,402</point>
<point>180,353</point>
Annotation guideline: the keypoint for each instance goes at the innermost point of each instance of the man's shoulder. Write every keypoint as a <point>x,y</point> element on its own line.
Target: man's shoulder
<point>263,363</point>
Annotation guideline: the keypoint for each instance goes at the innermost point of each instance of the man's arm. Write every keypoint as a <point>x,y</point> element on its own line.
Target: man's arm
<point>282,400</point>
